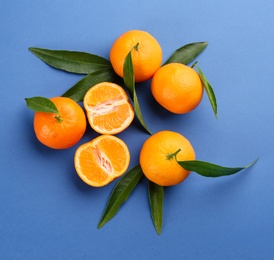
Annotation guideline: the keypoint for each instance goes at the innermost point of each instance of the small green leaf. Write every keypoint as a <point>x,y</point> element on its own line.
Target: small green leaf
<point>130,85</point>
<point>120,193</point>
<point>209,91</point>
<point>78,91</point>
<point>211,170</point>
<point>156,201</point>
<point>71,61</point>
<point>41,104</point>
<point>187,53</point>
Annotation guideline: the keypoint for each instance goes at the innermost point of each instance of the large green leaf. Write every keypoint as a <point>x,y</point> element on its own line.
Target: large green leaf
<point>187,53</point>
<point>211,170</point>
<point>130,85</point>
<point>128,75</point>
<point>78,91</point>
<point>71,61</point>
<point>156,201</point>
<point>120,193</point>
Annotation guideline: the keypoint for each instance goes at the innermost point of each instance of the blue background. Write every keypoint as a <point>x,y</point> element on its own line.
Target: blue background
<point>47,212</point>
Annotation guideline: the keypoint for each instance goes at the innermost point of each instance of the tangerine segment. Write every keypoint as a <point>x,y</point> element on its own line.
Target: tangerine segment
<point>146,54</point>
<point>157,162</point>
<point>108,108</point>
<point>60,131</point>
<point>101,160</point>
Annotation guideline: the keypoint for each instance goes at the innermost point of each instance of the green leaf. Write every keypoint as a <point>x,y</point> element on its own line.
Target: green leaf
<point>211,170</point>
<point>156,200</point>
<point>129,74</point>
<point>187,53</point>
<point>71,61</point>
<point>120,193</point>
<point>41,104</point>
<point>130,85</point>
<point>138,111</point>
<point>209,91</point>
<point>78,91</point>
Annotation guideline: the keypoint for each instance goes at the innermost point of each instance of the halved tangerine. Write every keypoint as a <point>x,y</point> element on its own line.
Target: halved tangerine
<point>102,160</point>
<point>108,108</point>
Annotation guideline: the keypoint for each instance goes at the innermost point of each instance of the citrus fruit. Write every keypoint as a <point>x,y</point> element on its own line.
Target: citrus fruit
<point>146,54</point>
<point>63,130</point>
<point>101,160</point>
<point>108,108</point>
<point>177,87</point>
<point>158,160</point>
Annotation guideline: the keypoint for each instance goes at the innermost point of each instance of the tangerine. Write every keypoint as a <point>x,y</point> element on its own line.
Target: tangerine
<point>108,108</point>
<point>101,160</point>
<point>159,154</point>
<point>146,54</point>
<point>177,87</point>
<point>63,130</point>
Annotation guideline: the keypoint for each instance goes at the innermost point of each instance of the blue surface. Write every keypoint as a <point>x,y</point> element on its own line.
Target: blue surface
<point>47,212</point>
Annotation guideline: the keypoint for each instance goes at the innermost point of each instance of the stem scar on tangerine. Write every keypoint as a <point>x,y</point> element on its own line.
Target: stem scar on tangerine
<point>172,155</point>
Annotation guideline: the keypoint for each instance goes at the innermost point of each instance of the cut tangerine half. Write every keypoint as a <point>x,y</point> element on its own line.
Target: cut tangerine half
<point>101,160</point>
<point>108,108</point>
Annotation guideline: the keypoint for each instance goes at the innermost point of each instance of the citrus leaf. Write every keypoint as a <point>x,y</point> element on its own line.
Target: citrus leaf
<point>156,200</point>
<point>71,61</point>
<point>138,111</point>
<point>187,53</point>
<point>78,91</point>
<point>120,193</point>
<point>41,104</point>
<point>129,81</point>
<point>209,91</point>
<point>211,170</point>
<point>128,74</point>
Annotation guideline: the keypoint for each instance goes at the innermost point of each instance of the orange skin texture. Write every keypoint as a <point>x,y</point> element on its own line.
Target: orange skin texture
<point>154,161</point>
<point>146,59</point>
<point>60,135</point>
<point>101,160</point>
<point>177,87</point>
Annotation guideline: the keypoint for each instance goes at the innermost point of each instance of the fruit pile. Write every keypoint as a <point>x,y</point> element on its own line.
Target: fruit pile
<point>166,157</point>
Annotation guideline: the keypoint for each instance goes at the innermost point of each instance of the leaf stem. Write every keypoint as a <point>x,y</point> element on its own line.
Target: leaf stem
<point>170,156</point>
<point>136,47</point>
<point>58,118</point>
<point>194,64</point>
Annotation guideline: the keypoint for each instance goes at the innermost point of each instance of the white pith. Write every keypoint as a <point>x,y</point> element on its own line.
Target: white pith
<point>105,107</point>
<point>103,161</point>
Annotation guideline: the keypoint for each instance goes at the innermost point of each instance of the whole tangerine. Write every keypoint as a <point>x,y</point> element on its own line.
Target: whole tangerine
<point>62,130</point>
<point>146,54</point>
<point>177,87</point>
<point>159,155</point>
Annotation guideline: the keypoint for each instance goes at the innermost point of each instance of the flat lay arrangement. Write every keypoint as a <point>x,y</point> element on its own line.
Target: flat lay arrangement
<point>166,158</point>
<point>137,130</point>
